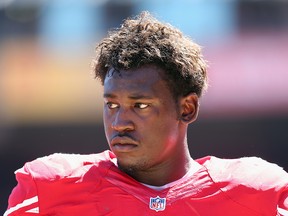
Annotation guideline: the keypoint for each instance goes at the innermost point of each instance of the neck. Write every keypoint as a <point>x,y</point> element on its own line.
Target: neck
<point>164,173</point>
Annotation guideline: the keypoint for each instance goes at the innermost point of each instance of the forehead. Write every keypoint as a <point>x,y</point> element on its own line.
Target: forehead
<point>146,79</point>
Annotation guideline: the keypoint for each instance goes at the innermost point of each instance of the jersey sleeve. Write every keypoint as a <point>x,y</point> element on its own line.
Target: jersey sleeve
<point>265,179</point>
<point>24,199</point>
<point>52,180</point>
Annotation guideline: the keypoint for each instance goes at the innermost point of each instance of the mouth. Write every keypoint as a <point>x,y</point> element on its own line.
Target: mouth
<point>123,144</point>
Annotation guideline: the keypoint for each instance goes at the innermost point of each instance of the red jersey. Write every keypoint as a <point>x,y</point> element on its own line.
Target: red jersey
<point>68,185</point>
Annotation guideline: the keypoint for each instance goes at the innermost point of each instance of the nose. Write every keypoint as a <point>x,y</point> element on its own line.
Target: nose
<point>123,121</point>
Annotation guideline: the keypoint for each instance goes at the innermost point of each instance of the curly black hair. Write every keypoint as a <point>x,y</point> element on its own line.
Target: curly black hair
<point>144,40</point>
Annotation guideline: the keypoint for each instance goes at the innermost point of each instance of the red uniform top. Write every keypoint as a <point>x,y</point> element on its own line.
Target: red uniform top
<point>68,185</point>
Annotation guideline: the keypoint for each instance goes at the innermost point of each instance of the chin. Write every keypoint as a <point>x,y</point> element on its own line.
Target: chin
<point>127,168</point>
<point>131,168</point>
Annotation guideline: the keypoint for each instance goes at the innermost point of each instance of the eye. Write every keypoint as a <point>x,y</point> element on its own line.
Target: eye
<point>141,105</point>
<point>111,105</point>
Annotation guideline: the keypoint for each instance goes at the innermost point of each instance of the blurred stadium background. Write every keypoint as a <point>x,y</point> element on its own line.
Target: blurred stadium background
<point>50,102</point>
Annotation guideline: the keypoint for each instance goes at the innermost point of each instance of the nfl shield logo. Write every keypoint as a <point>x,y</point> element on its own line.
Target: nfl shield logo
<point>157,203</point>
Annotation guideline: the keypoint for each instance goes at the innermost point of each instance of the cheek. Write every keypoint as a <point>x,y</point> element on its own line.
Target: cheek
<point>168,130</point>
<point>162,131</point>
<point>106,122</point>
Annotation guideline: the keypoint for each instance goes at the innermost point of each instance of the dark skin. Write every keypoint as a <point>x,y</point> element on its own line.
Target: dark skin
<point>144,126</point>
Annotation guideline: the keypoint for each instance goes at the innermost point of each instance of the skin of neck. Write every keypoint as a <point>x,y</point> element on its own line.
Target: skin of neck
<point>168,171</point>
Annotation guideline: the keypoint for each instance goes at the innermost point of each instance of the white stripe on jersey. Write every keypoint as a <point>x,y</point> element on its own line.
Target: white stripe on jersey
<point>34,210</point>
<point>25,203</point>
<point>282,212</point>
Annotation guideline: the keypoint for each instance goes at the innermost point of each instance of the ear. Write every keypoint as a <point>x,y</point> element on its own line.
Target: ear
<point>189,108</point>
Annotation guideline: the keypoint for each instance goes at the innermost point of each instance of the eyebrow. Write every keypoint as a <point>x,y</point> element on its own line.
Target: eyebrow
<point>107,95</point>
<point>133,96</point>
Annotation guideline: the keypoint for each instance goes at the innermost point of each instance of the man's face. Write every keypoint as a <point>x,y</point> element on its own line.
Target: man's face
<point>140,118</point>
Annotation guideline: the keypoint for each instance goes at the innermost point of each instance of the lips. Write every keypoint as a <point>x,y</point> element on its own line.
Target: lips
<point>123,144</point>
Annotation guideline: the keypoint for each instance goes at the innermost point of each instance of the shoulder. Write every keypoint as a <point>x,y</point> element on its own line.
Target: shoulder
<point>59,165</point>
<point>252,171</point>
